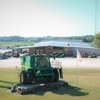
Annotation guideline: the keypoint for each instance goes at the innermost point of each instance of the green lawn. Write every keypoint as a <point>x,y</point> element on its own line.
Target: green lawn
<point>16,43</point>
<point>88,83</point>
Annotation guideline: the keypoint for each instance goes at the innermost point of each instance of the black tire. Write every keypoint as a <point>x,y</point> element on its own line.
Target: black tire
<point>50,78</point>
<point>23,77</point>
<point>56,75</point>
<point>29,77</point>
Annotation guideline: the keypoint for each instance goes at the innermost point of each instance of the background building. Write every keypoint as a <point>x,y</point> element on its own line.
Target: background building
<point>65,47</point>
<point>68,47</point>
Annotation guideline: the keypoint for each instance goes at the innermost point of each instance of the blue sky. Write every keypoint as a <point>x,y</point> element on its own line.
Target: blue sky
<point>49,17</point>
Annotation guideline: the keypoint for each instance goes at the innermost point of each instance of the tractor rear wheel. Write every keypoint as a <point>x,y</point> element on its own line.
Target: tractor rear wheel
<point>23,77</point>
<point>56,75</point>
<point>29,77</point>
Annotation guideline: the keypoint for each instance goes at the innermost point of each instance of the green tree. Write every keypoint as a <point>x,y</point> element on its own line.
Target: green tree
<point>96,40</point>
<point>87,38</point>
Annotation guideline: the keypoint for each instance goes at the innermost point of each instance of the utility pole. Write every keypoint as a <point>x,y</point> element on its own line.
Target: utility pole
<point>95,17</point>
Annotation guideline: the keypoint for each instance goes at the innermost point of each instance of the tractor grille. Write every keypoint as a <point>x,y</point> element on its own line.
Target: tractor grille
<point>46,71</point>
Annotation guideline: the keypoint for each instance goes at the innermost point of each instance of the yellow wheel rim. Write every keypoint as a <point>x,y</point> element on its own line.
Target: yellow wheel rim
<point>22,77</point>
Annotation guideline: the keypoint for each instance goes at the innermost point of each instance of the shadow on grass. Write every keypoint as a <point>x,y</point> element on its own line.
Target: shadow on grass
<point>69,90</point>
<point>6,86</point>
<point>5,82</point>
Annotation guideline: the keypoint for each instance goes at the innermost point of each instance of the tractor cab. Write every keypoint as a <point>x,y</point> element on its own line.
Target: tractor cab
<point>42,61</point>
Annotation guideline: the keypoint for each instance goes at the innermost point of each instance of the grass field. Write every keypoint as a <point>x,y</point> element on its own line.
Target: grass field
<point>88,83</point>
<point>16,43</point>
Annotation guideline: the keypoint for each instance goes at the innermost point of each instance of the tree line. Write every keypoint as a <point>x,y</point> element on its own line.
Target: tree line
<point>87,38</point>
<point>11,39</point>
<point>94,39</point>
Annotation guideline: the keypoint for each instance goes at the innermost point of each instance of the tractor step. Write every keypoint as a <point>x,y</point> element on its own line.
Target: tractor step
<point>26,89</point>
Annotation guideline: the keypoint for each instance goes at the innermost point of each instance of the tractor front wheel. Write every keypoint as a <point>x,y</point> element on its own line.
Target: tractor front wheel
<point>23,77</point>
<point>56,75</point>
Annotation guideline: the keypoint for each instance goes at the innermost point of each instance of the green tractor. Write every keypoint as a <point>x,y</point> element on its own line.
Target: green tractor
<point>38,68</point>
